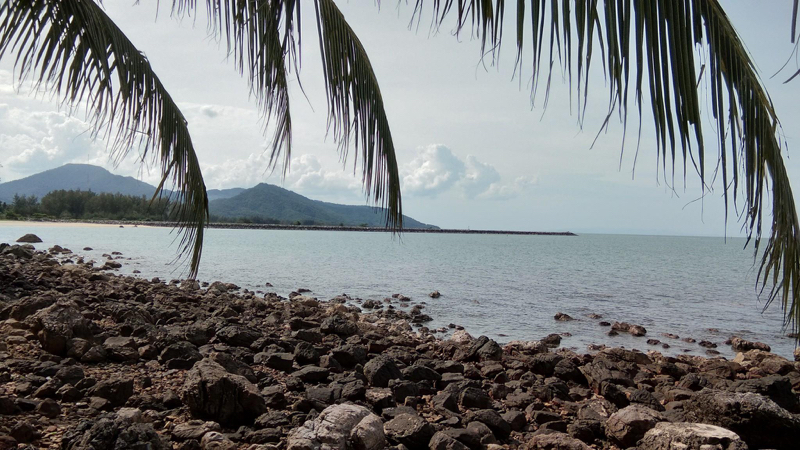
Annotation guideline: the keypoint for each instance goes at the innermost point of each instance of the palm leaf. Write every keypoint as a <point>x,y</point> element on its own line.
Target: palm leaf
<point>73,49</point>
<point>264,38</point>
<point>659,42</point>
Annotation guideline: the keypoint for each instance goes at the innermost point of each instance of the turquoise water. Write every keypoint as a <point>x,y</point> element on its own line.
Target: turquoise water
<point>506,287</point>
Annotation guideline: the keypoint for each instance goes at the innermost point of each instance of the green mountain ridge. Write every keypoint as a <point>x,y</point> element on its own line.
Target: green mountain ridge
<point>84,177</point>
<point>262,201</point>
<point>273,202</point>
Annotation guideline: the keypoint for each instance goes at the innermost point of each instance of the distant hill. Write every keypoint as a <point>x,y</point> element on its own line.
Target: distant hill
<point>263,201</point>
<point>268,201</point>
<point>73,177</point>
<point>214,194</point>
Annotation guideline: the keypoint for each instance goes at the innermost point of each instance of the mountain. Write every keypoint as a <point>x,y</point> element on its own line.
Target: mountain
<point>214,194</point>
<point>74,176</point>
<point>273,202</point>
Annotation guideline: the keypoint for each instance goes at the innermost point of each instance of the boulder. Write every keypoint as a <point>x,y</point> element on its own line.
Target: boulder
<point>380,370</point>
<point>339,426</point>
<point>605,370</point>
<point>117,390</point>
<point>30,238</point>
<point>690,436</point>
<point>441,441</point>
<point>410,430</point>
<point>57,324</point>
<point>630,424</point>
<point>212,393</point>
<point>759,421</point>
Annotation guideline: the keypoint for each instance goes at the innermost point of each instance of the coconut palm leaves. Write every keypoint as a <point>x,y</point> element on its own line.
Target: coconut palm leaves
<point>653,48</point>
<point>73,49</point>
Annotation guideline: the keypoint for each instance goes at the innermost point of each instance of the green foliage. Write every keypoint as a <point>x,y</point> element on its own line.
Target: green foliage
<point>89,205</point>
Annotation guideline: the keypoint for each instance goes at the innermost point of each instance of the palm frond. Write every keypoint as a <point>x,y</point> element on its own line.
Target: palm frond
<point>653,45</point>
<point>264,40</point>
<point>74,50</point>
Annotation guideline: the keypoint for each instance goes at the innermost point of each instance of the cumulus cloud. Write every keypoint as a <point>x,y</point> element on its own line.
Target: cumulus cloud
<point>31,142</point>
<point>436,169</point>
<point>307,176</point>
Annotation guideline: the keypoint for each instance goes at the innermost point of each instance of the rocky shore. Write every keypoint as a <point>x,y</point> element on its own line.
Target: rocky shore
<point>93,360</point>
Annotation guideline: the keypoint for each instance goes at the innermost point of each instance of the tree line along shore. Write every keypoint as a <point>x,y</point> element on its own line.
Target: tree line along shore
<point>93,359</point>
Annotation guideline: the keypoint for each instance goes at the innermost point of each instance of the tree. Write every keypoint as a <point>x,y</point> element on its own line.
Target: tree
<point>648,50</point>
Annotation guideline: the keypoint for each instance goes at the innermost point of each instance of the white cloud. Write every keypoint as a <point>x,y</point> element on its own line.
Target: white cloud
<point>436,170</point>
<point>32,141</point>
<point>307,176</point>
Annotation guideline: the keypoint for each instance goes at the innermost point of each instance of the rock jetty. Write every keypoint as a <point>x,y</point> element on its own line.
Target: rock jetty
<point>93,360</point>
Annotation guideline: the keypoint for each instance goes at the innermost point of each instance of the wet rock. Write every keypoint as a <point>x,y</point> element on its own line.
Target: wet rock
<point>625,327</point>
<point>338,427</point>
<point>690,436</point>
<point>562,317</point>
<point>380,370</point>
<point>434,294</point>
<point>741,345</point>
<point>212,393</point>
<point>29,238</point>
<point>630,424</point>
<point>552,340</point>
<point>410,430</point>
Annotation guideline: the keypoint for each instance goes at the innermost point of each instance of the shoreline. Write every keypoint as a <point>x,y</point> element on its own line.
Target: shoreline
<point>245,226</point>
<point>91,356</point>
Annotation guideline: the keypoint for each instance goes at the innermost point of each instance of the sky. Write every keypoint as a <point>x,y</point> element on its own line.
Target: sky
<point>473,152</point>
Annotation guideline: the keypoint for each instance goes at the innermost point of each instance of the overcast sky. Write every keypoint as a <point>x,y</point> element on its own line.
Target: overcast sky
<point>472,153</point>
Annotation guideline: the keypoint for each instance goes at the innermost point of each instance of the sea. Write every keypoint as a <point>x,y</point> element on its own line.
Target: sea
<point>507,287</point>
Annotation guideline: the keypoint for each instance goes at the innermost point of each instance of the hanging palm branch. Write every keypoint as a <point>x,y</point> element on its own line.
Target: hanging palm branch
<point>73,49</point>
<point>651,48</point>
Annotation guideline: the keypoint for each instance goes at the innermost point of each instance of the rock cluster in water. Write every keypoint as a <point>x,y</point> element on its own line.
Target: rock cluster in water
<point>90,359</point>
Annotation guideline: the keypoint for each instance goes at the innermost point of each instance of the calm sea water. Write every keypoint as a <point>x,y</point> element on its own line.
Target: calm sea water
<point>506,287</point>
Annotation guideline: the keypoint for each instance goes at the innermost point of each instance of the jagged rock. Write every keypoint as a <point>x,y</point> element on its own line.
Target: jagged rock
<point>474,398</point>
<point>214,440</point>
<point>349,355</point>
<point>410,430</point>
<point>212,393</point>
<point>493,420</point>
<point>380,370</point>
<point>312,374</point>
<point>419,373</point>
<point>24,432</point>
<point>604,370</point>
<point>305,353</point>
<point>338,426</point>
<point>563,317</point>
<point>690,436</point>
<point>629,424</point>
<point>121,349</point>
<point>338,325</point>
<point>238,336</point>
<point>759,421</point>
<point>234,366</point>
<point>57,324</point>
